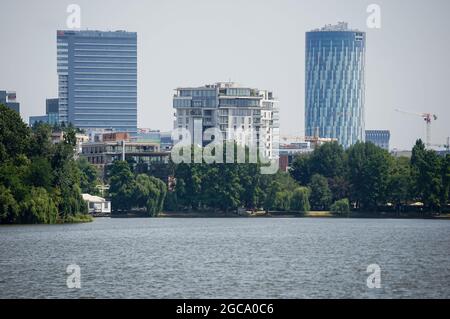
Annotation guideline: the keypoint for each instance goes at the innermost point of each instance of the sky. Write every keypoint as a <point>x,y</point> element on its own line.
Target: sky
<point>257,43</point>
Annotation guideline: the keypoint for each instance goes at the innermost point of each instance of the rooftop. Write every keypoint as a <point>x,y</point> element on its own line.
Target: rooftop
<point>340,26</point>
<point>91,198</point>
<point>100,33</point>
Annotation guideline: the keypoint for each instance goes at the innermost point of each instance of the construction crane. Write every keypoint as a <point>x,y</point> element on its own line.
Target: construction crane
<point>428,118</point>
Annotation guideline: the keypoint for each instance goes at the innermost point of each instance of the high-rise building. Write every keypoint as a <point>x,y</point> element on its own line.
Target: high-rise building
<point>335,83</point>
<point>8,98</point>
<point>97,78</point>
<point>228,106</point>
<point>379,137</point>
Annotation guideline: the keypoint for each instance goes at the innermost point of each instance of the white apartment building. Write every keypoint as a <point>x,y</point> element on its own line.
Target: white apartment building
<point>230,108</point>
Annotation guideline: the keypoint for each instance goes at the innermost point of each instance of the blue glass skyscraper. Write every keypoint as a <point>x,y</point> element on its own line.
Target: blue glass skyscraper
<point>97,79</point>
<point>335,83</point>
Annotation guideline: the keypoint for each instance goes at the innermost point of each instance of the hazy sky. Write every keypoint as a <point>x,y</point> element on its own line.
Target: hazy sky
<point>258,43</point>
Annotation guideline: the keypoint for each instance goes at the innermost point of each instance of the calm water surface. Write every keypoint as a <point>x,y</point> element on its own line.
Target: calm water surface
<point>227,258</point>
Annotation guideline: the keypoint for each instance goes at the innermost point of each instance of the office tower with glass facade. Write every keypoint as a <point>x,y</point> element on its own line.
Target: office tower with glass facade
<point>335,83</point>
<point>97,79</point>
<point>227,106</point>
<point>380,138</point>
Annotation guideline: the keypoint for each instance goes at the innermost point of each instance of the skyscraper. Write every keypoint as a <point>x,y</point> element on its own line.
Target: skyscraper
<point>97,78</point>
<point>335,83</point>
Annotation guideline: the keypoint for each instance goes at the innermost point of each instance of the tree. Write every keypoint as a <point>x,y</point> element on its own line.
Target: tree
<point>89,178</point>
<point>320,197</point>
<point>130,192</point>
<point>40,144</point>
<point>70,136</point>
<point>228,188</point>
<point>280,183</point>
<point>301,169</point>
<point>157,196</point>
<point>14,134</point>
<point>38,208</point>
<point>445,180</point>
<point>341,206</point>
<point>251,196</point>
<point>40,173</point>
<point>426,168</point>
<point>271,191</point>
<point>13,176</point>
<point>400,183</point>
<point>9,209</point>
<point>188,186</point>
<point>149,193</point>
<point>38,178</point>
<point>300,200</point>
<point>162,187</point>
<point>369,167</point>
<point>282,201</point>
<point>339,187</point>
<point>122,186</point>
<point>67,181</point>
<point>142,190</point>
<point>328,160</point>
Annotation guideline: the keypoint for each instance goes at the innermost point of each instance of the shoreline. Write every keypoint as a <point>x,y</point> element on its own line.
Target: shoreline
<point>313,214</point>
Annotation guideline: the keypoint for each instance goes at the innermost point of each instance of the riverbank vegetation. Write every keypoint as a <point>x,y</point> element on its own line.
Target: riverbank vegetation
<point>131,192</point>
<point>227,187</point>
<point>39,180</point>
<point>362,179</point>
<point>218,188</point>
<point>372,180</point>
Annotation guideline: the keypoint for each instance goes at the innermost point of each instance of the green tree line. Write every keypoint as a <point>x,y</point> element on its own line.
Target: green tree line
<point>368,177</point>
<point>217,187</point>
<point>40,182</point>
<point>226,187</point>
<point>363,177</point>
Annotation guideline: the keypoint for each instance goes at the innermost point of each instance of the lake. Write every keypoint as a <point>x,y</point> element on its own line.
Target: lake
<point>227,258</point>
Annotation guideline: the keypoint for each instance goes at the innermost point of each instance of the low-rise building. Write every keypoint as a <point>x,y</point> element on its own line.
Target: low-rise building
<point>97,205</point>
<point>33,120</point>
<point>164,139</point>
<point>51,114</point>
<point>109,147</point>
<point>293,145</point>
<point>288,152</point>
